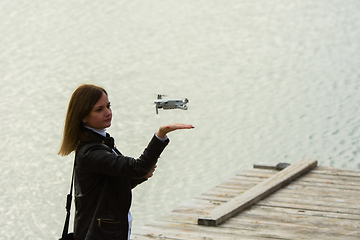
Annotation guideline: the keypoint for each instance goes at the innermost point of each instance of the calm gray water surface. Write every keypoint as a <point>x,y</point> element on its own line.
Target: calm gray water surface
<point>268,81</point>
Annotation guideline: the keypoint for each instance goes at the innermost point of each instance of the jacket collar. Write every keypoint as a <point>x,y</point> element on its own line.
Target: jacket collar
<point>97,137</point>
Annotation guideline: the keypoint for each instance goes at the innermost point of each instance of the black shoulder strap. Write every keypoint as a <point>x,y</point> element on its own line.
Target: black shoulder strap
<point>68,205</point>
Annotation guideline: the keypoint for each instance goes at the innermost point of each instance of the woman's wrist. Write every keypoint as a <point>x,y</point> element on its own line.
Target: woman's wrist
<point>163,139</point>
<point>161,134</point>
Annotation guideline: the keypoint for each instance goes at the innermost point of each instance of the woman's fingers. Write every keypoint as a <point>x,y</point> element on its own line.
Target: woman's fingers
<point>151,173</point>
<point>176,126</point>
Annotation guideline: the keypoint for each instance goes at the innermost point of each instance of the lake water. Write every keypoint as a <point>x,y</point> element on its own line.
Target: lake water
<point>267,81</point>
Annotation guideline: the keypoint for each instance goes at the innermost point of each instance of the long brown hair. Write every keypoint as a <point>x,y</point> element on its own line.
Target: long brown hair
<point>80,105</point>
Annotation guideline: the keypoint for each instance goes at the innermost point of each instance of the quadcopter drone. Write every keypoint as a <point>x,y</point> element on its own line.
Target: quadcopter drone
<point>170,103</point>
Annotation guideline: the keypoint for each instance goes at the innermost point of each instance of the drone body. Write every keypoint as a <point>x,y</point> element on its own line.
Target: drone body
<point>170,103</point>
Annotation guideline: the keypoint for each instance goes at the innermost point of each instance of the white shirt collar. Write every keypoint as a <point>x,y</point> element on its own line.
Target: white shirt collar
<point>102,132</point>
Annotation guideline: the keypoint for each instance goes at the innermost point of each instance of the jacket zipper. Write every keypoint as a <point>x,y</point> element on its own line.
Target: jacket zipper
<point>106,221</point>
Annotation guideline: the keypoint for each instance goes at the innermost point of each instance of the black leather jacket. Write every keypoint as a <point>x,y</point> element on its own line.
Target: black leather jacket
<point>103,183</point>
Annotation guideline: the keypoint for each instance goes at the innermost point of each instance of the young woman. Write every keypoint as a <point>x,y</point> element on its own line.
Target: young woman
<point>103,176</point>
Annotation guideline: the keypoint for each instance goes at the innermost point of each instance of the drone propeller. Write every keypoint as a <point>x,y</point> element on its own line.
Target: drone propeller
<point>159,96</point>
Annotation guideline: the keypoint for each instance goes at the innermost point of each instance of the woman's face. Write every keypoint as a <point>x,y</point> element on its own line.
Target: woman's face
<point>100,116</point>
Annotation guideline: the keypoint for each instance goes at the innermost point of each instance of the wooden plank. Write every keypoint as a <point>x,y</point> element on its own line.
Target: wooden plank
<point>144,237</point>
<point>316,173</point>
<point>238,229</point>
<point>298,220</point>
<point>310,217</point>
<point>348,204</point>
<point>326,172</point>
<point>351,213</point>
<point>305,193</point>
<point>319,169</point>
<point>253,195</point>
<point>301,188</point>
<point>293,230</point>
<point>303,219</point>
<point>173,230</point>
<point>338,171</point>
<point>248,178</point>
<point>311,179</point>
<point>333,179</point>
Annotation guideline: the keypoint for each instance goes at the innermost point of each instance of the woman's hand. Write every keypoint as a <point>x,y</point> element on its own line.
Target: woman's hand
<point>163,130</point>
<point>151,173</point>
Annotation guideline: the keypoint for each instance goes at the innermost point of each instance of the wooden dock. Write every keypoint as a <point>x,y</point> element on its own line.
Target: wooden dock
<point>323,203</point>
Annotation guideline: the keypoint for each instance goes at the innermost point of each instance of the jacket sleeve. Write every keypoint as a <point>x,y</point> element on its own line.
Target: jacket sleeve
<point>98,159</point>
<point>135,182</point>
